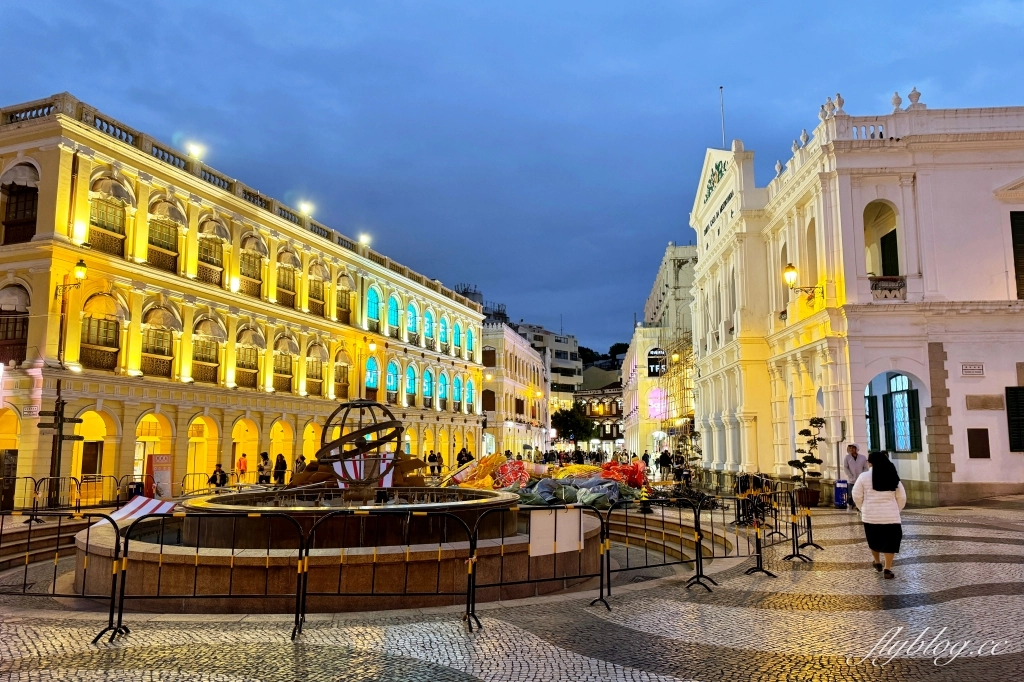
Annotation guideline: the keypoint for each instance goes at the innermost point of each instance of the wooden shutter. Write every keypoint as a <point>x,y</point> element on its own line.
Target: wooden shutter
<point>889,246</point>
<point>890,430</point>
<point>977,444</point>
<point>1017,231</point>
<point>871,403</point>
<point>914,413</point>
<point>1015,417</point>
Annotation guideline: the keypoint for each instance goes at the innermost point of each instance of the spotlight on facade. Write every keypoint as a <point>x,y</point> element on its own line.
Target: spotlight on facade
<point>675,357</point>
<point>80,270</point>
<point>789,275</point>
<point>488,377</point>
<point>195,150</point>
<point>364,239</point>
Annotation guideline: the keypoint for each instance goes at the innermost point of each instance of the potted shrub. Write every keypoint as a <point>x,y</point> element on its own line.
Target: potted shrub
<point>806,495</point>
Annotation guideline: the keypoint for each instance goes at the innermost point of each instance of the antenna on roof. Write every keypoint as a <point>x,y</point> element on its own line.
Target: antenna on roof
<point>721,102</point>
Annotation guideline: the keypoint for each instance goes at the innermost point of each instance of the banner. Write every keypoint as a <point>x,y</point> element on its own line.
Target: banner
<point>159,468</point>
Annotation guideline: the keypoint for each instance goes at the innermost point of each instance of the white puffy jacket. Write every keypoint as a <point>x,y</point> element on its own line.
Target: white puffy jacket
<point>878,506</point>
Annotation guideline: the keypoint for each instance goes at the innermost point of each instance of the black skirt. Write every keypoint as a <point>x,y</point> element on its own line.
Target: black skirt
<point>884,537</point>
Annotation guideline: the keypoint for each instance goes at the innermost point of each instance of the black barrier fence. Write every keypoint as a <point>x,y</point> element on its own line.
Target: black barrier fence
<point>26,550</point>
<point>548,552</point>
<point>367,560</point>
<point>358,559</point>
<point>245,557</point>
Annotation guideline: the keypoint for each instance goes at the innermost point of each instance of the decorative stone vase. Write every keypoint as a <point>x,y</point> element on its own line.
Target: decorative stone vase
<point>808,497</point>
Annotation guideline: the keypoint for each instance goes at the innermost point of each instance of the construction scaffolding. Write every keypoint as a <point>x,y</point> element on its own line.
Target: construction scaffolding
<point>677,381</point>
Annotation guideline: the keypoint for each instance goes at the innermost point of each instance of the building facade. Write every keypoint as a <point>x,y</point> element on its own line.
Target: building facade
<point>516,393</point>
<point>875,282</point>
<point>566,366</point>
<point>657,376</point>
<point>604,406</point>
<point>212,320</point>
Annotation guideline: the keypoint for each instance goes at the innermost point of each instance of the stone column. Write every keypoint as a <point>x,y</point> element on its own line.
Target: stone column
<point>231,271</point>
<point>131,349</point>
<point>228,362</point>
<point>299,365</point>
<point>54,190</point>
<point>302,283</point>
<point>80,219</point>
<point>267,370</point>
<point>188,315</point>
<point>137,240</point>
<point>270,279</point>
<point>190,257</point>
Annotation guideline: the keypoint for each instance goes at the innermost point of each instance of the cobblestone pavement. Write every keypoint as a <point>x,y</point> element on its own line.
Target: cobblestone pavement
<point>961,569</point>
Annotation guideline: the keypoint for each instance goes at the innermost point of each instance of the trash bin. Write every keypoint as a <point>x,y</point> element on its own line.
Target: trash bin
<point>136,488</point>
<point>841,489</point>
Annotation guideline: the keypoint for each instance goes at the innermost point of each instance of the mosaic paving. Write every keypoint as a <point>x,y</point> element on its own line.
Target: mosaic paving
<point>962,569</point>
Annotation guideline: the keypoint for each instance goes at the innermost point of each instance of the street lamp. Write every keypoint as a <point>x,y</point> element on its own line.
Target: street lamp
<point>789,276</point>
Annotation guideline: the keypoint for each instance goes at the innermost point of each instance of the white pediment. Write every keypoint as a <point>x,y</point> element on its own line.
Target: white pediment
<point>1013,192</point>
<point>716,173</point>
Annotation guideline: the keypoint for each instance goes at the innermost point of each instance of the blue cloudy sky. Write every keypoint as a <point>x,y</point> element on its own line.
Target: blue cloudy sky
<point>545,151</point>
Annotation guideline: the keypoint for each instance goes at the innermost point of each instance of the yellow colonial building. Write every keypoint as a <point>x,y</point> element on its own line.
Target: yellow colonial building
<point>211,320</point>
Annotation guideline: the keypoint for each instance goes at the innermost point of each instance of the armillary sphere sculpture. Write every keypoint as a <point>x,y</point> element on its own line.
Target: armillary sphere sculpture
<point>364,427</point>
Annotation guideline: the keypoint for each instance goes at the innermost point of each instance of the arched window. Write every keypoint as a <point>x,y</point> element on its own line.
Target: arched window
<point>250,264</point>
<point>207,337</point>
<point>469,341</point>
<point>316,357</point>
<point>881,241</point>
<point>812,254</point>
<point>902,416</point>
<point>288,264</point>
<point>158,326</point>
<point>373,310</point>
<point>469,394</point>
<point>319,275</point>
<point>392,382</point>
<point>166,217</point>
<point>410,386</point>
<point>457,334</point>
<point>344,294</point>
<point>107,212</point>
<point>372,373</point>
<point>393,313</point>
<point>457,393</point>
<point>428,325</point>
<point>428,388</point>
<point>342,362</point>
<point>19,192</point>
<point>249,344</point>
<point>444,334</point>
<point>285,349</point>
<point>442,390</point>
<point>411,319</point>
<point>14,301</point>
<point>212,237</point>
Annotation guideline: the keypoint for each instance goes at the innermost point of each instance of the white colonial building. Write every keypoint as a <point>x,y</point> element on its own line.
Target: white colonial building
<point>516,392</point>
<point>901,323</point>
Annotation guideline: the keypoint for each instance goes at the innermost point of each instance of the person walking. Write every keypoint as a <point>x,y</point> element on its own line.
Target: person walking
<point>280,467</point>
<point>300,464</point>
<point>242,468</point>
<point>665,465</point>
<point>880,496</point>
<point>646,459</point>
<point>264,468</point>
<point>219,478</point>
<point>854,464</point>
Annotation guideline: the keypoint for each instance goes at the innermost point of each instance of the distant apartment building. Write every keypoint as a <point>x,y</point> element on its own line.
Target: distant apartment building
<point>566,366</point>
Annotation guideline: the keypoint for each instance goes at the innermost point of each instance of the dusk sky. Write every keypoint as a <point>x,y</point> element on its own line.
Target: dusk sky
<point>545,151</point>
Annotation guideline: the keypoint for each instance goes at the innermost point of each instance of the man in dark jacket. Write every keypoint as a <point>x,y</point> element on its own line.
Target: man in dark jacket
<point>219,478</point>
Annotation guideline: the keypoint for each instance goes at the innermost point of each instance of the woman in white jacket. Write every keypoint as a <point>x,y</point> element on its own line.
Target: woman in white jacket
<point>880,496</point>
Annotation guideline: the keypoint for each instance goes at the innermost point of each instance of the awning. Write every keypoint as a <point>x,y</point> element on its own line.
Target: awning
<point>214,228</point>
<point>317,352</point>
<point>317,270</point>
<point>112,189</point>
<point>342,358</point>
<point>253,242</point>
<point>288,257</point>
<point>14,298</point>
<point>105,306</point>
<point>249,336</point>
<point>212,329</point>
<point>162,318</point>
<point>165,209</point>
<point>23,174</point>
<point>286,344</point>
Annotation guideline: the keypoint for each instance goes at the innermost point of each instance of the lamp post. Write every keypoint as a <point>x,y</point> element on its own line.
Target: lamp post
<point>56,447</point>
<point>789,276</point>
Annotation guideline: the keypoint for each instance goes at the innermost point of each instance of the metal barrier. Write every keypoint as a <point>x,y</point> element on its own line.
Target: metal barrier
<point>353,554</point>
<point>30,545</point>
<point>57,492</point>
<point>193,482</point>
<point>642,526</point>
<point>517,565</point>
<point>173,571</point>
<point>99,491</point>
<point>17,493</point>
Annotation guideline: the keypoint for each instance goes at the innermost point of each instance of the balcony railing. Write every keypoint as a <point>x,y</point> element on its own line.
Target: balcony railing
<point>96,357</point>
<point>316,307</point>
<point>246,378</point>
<point>340,391</point>
<point>286,298</point>
<point>373,325</point>
<point>428,402</point>
<point>156,366</point>
<point>444,403</point>
<point>458,406</point>
<point>314,387</point>
<point>106,241</point>
<point>204,372</point>
<point>15,351</point>
<point>414,338</point>
<point>410,399</point>
<point>343,315</point>
<point>250,287</point>
<point>211,274</point>
<point>392,397</point>
<point>889,288</point>
<point>162,260</point>
<point>395,332</point>
<point>431,344</point>
<point>282,383</point>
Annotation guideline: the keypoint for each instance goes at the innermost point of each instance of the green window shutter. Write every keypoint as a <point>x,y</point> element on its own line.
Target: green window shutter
<point>914,414</point>
<point>1015,417</point>
<point>890,428</point>
<point>871,402</point>
<point>1017,232</point>
<point>889,246</point>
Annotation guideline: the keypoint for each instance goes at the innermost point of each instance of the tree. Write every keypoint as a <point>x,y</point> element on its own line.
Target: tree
<point>573,424</point>
<point>618,349</point>
<point>589,355</point>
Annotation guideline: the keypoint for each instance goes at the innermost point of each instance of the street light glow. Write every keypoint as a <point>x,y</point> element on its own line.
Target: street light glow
<point>364,239</point>
<point>306,208</point>
<point>789,275</point>
<point>195,150</point>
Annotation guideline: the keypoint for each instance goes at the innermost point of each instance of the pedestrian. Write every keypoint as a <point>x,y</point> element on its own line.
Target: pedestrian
<point>435,470</point>
<point>880,496</point>
<point>300,464</point>
<point>855,464</point>
<point>646,459</point>
<point>665,465</point>
<point>280,467</point>
<point>264,468</point>
<point>219,478</point>
<point>242,468</point>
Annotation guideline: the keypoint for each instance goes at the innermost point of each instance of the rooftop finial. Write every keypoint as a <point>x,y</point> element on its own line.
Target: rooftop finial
<point>915,98</point>
<point>821,113</point>
<point>795,147</point>
<point>829,107</point>
<point>804,137</point>
<point>896,102</point>
<point>839,104</point>
<point>778,168</point>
